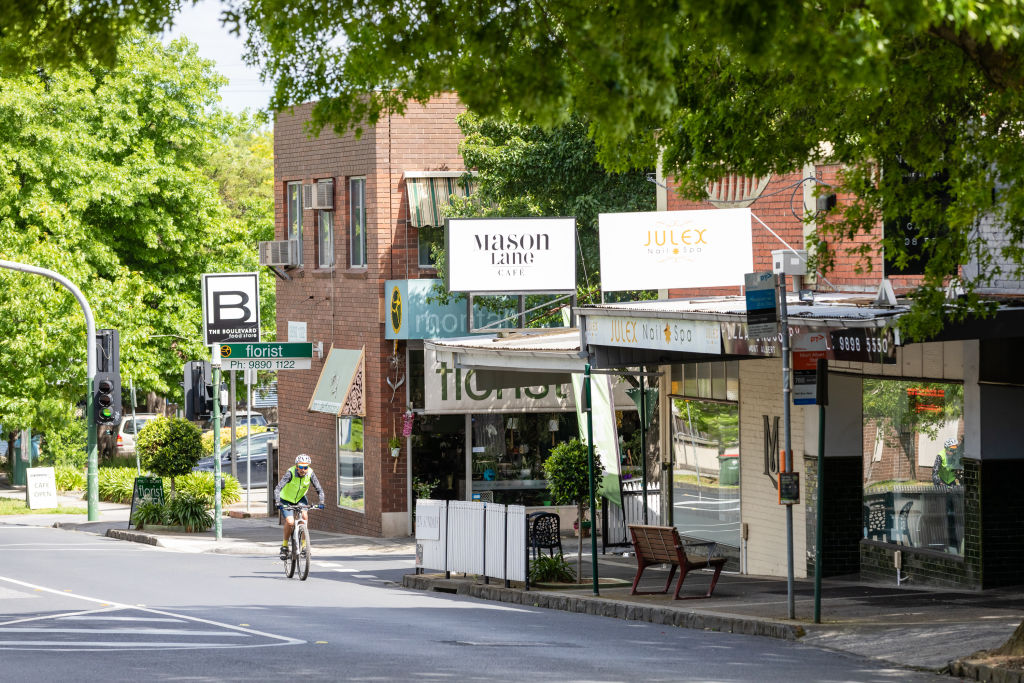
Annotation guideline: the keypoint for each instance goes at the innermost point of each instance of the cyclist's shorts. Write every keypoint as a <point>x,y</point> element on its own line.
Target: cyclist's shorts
<point>288,513</point>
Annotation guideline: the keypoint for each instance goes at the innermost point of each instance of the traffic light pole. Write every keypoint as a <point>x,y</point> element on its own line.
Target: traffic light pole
<point>92,480</point>
<point>215,365</point>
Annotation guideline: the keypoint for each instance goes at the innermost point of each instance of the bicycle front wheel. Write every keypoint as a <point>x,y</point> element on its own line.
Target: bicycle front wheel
<point>291,560</point>
<point>305,553</point>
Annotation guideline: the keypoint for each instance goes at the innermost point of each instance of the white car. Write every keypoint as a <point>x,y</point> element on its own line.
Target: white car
<point>127,431</point>
<point>244,418</point>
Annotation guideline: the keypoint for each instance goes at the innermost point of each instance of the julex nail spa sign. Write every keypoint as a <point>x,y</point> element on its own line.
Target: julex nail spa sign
<point>511,254</point>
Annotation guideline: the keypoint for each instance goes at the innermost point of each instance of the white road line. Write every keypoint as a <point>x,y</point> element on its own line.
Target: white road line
<point>363,576</point>
<point>87,644</point>
<point>142,631</point>
<point>52,616</point>
<point>101,618</point>
<point>284,639</point>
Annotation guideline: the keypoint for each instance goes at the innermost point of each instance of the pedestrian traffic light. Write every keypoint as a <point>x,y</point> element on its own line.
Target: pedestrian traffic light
<point>198,390</point>
<point>107,382</point>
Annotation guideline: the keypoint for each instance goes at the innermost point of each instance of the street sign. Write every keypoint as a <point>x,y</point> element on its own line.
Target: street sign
<point>266,356</point>
<point>789,488</point>
<point>807,349</point>
<point>231,307</point>
<point>762,313</point>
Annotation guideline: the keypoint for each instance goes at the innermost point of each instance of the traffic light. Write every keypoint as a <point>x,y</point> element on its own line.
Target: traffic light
<point>198,388</point>
<point>107,383</point>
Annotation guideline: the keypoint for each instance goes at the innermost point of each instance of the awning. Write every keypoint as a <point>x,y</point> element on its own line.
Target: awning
<point>339,391</point>
<point>429,191</point>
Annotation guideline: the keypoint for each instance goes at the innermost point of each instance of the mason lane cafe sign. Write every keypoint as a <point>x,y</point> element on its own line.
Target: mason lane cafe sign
<point>507,255</point>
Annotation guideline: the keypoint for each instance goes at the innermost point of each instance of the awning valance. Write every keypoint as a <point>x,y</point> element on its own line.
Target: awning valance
<point>339,391</point>
<point>429,191</point>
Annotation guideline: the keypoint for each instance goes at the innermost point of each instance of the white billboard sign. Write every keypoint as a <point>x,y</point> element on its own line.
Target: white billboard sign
<point>692,336</point>
<point>675,249</point>
<point>231,307</point>
<point>508,255</point>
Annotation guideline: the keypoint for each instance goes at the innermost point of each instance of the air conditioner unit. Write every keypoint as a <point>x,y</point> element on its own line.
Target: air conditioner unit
<point>319,195</point>
<point>280,253</point>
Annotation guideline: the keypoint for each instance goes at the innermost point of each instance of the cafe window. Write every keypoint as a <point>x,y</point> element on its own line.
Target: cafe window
<point>913,468</point>
<point>351,488</point>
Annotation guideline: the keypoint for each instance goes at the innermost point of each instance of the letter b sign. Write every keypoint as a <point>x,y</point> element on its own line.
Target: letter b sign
<point>231,307</point>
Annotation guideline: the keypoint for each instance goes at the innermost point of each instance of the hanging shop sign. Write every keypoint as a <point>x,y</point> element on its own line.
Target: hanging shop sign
<point>692,336</point>
<point>670,249</point>
<point>511,255</point>
<point>412,314</point>
<point>864,345</point>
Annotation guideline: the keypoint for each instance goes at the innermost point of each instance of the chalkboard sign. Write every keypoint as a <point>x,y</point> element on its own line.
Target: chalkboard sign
<point>147,490</point>
<point>789,488</point>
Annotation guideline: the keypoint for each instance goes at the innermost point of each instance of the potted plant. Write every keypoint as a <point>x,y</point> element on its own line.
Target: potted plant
<point>394,443</point>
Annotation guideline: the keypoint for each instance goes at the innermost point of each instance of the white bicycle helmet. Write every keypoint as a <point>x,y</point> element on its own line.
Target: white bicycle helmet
<point>302,459</point>
<point>949,443</point>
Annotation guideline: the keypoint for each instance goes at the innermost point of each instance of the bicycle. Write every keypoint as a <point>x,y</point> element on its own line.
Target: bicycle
<point>300,539</point>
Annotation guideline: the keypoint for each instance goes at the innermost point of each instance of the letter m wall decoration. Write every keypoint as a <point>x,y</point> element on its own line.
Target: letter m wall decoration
<point>771,449</point>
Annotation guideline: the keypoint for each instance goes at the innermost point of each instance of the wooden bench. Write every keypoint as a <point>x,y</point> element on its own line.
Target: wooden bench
<point>661,545</point>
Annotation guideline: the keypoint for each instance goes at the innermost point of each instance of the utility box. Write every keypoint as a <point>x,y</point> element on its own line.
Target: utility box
<point>788,262</point>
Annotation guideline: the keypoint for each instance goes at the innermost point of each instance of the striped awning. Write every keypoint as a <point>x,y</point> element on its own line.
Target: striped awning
<point>429,191</point>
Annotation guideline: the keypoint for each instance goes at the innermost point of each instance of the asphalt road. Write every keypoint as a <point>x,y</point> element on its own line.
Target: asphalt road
<point>74,606</point>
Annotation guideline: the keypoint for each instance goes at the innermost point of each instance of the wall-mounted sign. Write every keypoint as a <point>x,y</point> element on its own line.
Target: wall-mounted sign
<point>864,345</point>
<point>693,336</point>
<point>675,249</point>
<point>508,255</point>
<point>231,307</point>
<point>412,315</point>
<point>737,341</point>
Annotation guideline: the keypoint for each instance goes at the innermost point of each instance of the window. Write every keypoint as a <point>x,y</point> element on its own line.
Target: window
<point>357,222</point>
<point>913,467</point>
<point>294,204</point>
<point>351,489</point>
<point>427,238</point>
<point>717,381</point>
<point>325,239</point>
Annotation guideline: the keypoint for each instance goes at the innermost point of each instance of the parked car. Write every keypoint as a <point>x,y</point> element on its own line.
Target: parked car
<point>259,460</point>
<point>245,417</point>
<point>128,429</point>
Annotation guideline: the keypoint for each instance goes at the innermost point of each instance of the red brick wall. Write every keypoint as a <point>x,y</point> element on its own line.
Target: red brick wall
<point>776,207</point>
<point>343,306</point>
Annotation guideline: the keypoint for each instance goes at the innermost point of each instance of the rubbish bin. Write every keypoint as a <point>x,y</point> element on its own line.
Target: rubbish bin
<point>729,469</point>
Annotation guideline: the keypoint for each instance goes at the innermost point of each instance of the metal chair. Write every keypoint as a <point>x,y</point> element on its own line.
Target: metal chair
<point>544,533</point>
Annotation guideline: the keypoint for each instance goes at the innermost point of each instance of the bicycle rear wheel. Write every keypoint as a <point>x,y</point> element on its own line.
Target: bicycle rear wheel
<point>304,552</point>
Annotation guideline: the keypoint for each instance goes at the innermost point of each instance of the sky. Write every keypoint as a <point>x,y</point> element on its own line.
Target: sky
<point>201,25</point>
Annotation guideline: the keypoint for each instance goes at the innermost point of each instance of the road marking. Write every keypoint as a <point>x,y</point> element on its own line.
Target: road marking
<point>90,617</point>
<point>363,576</point>
<point>79,644</point>
<point>144,631</point>
<point>283,640</point>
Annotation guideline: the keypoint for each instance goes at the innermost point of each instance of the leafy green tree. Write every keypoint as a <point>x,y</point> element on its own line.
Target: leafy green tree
<point>108,176</point>
<point>169,447</point>
<point>932,91</point>
<point>567,470</point>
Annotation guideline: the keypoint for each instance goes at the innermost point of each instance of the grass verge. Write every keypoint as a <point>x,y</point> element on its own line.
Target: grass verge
<point>15,506</point>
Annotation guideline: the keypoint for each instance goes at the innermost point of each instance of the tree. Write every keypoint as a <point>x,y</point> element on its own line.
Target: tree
<point>170,447</point>
<point>106,177</point>
<point>924,91</point>
<point>566,470</point>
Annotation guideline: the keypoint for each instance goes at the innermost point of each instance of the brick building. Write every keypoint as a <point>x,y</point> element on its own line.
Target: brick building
<point>333,293</point>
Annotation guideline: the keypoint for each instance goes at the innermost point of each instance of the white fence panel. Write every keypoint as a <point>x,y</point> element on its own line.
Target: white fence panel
<point>633,502</point>
<point>431,534</point>
<point>466,536</point>
<point>516,543</point>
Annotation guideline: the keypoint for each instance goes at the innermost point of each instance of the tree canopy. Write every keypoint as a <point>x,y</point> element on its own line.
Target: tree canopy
<point>107,177</point>
<point>920,90</point>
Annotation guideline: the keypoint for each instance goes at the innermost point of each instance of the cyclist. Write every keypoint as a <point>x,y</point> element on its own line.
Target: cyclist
<point>291,490</point>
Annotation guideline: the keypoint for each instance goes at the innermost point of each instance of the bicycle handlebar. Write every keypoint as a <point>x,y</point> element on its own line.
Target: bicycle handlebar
<point>301,506</point>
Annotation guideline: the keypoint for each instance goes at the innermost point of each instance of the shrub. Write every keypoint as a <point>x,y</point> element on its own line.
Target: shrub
<point>225,436</point>
<point>190,511</point>
<point>169,447</point>
<point>551,569</point>
<point>116,484</point>
<point>65,445</point>
<point>149,513</point>
<point>566,470</point>
<point>201,484</point>
<point>69,478</point>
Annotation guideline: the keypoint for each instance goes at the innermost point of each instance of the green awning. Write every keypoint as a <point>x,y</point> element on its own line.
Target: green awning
<point>429,191</point>
<point>339,391</point>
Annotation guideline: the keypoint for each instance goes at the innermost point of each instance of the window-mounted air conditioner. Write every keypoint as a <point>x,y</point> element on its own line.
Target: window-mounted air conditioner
<point>319,195</point>
<point>280,253</point>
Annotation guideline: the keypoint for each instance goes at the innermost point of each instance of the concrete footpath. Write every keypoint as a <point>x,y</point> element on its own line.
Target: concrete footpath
<point>920,628</point>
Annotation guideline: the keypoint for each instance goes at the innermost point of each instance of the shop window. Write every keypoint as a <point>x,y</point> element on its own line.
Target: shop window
<point>913,471</point>
<point>716,381</point>
<point>357,222</point>
<point>325,239</point>
<point>293,192</point>
<point>351,488</point>
<point>509,453</point>
<point>706,472</point>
